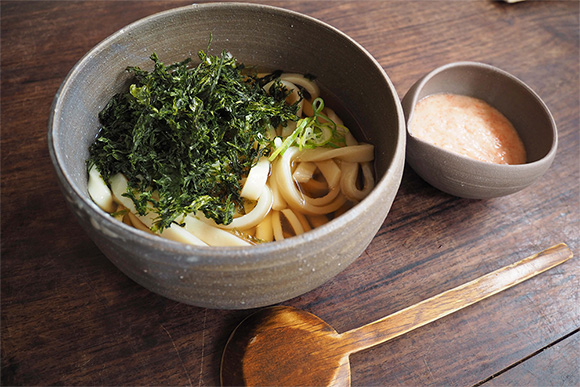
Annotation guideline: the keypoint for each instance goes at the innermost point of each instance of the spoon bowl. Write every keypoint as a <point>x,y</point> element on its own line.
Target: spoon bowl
<point>284,346</point>
<point>266,335</point>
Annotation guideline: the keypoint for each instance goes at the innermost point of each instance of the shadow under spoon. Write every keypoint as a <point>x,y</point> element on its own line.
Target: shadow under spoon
<point>282,345</point>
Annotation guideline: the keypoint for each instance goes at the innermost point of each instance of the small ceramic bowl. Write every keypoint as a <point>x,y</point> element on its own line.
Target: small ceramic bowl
<point>263,36</point>
<point>465,177</point>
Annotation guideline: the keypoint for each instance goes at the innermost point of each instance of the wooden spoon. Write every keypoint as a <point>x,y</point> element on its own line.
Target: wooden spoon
<point>286,346</point>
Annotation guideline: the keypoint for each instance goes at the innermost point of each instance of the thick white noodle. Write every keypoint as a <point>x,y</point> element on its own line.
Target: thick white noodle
<point>277,226</point>
<point>331,173</point>
<point>256,180</point>
<point>254,217</point>
<point>287,130</point>
<point>303,221</point>
<point>356,153</point>
<point>213,236</point>
<point>348,182</point>
<point>135,222</point>
<point>297,221</point>
<point>328,112</point>
<point>278,201</point>
<point>264,229</point>
<point>179,234</point>
<point>173,232</point>
<point>294,221</point>
<point>282,171</point>
<point>306,83</point>
<point>194,232</point>
<point>304,172</point>
<point>98,190</point>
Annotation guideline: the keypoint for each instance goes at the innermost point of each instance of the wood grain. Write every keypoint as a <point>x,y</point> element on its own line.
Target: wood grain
<point>452,300</point>
<point>69,317</point>
<point>309,352</point>
<point>556,365</point>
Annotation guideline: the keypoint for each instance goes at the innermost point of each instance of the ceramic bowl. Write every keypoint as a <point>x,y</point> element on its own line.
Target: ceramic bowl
<point>465,177</point>
<point>232,277</point>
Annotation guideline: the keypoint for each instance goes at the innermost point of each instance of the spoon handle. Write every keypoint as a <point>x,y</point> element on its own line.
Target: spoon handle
<point>453,300</point>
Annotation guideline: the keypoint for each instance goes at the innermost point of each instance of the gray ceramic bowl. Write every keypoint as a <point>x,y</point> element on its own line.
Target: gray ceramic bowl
<point>465,177</point>
<point>231,278</point>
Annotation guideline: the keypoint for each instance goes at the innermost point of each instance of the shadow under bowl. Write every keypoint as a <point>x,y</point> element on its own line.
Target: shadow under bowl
<point>258,35</point>
<point>462,176</point>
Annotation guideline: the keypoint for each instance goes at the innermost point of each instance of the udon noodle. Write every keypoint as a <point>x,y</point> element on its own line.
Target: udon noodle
<point>298,190</point>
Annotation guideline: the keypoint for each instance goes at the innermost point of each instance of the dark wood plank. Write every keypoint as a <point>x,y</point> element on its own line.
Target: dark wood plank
<point>557,365</point>
<point>70,317</point>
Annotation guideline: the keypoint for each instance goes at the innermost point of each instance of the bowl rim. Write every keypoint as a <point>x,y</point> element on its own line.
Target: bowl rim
<point>205,255</point>
<point>479,66</point>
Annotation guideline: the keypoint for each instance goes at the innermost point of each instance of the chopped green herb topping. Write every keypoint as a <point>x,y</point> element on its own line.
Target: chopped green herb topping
<point>185,136</point>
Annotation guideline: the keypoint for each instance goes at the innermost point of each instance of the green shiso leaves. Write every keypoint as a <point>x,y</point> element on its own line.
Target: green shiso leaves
<point>185,136</point>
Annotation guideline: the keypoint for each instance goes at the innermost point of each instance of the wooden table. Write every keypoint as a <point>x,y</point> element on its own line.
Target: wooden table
<point>69,317</point>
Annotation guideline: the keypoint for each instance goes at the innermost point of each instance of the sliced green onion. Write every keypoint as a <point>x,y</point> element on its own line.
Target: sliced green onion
<point>310,133</point>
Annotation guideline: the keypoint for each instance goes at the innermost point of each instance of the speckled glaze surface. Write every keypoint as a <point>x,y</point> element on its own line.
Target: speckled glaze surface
<point>231,278</point>
<point>464,177</point>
